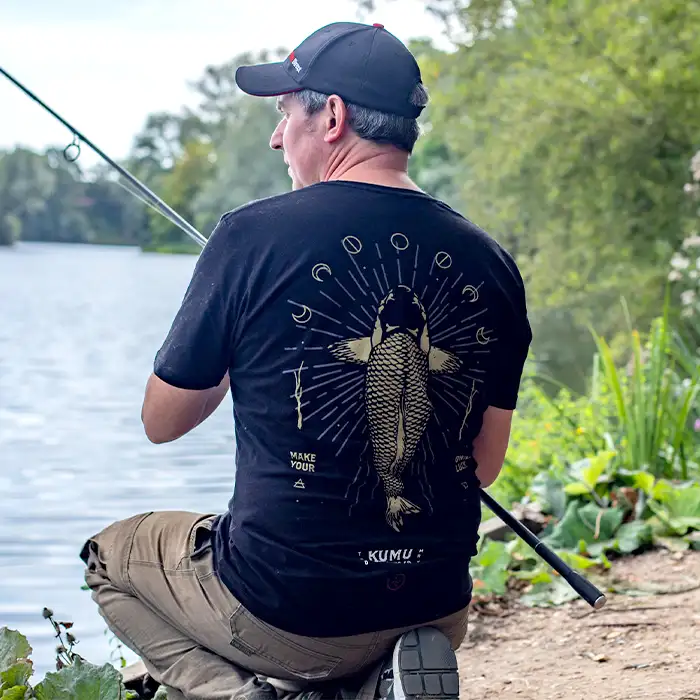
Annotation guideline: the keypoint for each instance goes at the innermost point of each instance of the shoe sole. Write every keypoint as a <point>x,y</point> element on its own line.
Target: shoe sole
<point>425,666</point>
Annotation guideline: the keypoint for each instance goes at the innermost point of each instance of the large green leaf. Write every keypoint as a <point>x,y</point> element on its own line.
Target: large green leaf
<point>596,467</point>
<point>545,595</point>
<point>82,681</point>
<point>644,481</point>
<point>17,692</point>
<point>629,538</point>
<point>679,508</point>
<point>584,523</point>
<point>684,502</point>
<point>632,536</point>
<point>490,568</point>
<point>576,561</point>
<point>549,492</point>
<point>578,488</point>
<point>14,647</point>
<point>17,674</point>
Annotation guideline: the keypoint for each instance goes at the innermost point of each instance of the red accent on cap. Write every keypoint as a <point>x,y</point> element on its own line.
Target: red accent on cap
<point>291,56</point>
<point>376,24</point>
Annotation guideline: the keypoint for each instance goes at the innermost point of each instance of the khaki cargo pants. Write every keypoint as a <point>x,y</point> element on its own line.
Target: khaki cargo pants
<point>152,578</point>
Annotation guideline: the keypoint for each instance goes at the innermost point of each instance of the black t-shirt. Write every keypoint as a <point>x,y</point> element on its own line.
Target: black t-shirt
<point>365,329</point>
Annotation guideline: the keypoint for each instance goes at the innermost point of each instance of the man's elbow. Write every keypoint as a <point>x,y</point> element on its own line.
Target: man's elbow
<point>491,444</point>
<point>488,473</point>
<point>163,415</point>
<point>157,430</point>
<point>154,432</point>
<point>158,437</point>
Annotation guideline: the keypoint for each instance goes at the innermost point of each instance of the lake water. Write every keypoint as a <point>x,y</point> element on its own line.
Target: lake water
<point>79,327</point>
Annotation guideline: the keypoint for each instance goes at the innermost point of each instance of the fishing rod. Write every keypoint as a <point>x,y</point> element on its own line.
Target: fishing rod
<point>592,595</point>
<point>142,192</point>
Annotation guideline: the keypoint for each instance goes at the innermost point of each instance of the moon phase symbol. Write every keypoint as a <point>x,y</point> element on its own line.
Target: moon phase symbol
<point>317,269</point>
<point>443,260</point>
<point>352,244</point>
<point>304,316</point>
<point>399,241</point>
<point>481,337</point>
<point>473,292</point>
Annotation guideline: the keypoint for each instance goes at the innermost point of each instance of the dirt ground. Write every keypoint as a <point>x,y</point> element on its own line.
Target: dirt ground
<point>642,644</point>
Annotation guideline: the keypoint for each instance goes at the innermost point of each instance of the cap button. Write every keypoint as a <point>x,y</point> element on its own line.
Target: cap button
<point>376,24</point>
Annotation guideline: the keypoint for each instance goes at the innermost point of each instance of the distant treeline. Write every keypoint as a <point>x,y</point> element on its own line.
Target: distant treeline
<point>201,162</point>
<point>564,129</point>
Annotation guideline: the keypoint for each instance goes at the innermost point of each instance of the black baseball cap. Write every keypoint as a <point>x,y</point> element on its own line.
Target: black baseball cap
<point>362,63</point>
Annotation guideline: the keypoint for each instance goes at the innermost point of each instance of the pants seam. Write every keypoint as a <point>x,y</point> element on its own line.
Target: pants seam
<point>127,555</point>
<point>371,648</point>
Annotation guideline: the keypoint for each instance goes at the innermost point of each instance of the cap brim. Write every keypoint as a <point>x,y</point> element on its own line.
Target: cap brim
<point>265,80</point>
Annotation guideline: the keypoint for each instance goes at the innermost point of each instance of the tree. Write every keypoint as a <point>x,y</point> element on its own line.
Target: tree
<point>180,186</point>
<point>212,157</point>
<point>45,198</point>
<point>566,128</point>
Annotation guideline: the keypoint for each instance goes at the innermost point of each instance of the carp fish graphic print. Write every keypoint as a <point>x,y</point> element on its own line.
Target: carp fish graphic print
<point>392,362</point>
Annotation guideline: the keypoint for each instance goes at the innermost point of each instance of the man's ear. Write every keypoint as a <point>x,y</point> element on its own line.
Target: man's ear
<point>335,118</point>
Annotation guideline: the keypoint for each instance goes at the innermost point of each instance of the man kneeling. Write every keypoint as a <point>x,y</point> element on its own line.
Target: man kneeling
<point>372,340</point>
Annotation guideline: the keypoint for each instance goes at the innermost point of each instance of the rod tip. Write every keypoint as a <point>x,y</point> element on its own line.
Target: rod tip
<point>600,602</point>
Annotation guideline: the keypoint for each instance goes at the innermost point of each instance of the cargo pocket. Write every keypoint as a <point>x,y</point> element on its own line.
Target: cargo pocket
<point>299,656</point>
<point>221,604</point>
<point>200,539</point>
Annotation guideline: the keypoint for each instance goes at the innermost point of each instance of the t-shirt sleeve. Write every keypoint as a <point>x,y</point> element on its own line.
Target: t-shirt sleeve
<point>197,351</point>
<point>510,353</point>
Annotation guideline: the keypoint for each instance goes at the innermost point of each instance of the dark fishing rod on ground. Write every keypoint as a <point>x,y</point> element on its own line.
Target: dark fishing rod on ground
<point>592,595</point>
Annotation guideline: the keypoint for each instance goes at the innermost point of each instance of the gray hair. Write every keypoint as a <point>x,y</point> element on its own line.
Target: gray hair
<point>371,124</point>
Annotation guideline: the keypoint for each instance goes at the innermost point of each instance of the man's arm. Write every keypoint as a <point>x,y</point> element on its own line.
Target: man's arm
<point>191,370</point>
<point>509,356</point>
<point>491,444</point>
<point>169,412</point>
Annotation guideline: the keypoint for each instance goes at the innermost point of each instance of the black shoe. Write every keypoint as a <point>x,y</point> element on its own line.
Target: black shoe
<point>423,666</point>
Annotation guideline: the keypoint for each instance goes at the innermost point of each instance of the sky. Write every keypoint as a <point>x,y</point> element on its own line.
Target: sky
<point>73,55</point>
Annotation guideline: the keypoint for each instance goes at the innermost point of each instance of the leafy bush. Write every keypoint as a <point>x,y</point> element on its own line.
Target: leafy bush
<point>611,470</point>
<point>595,509</point>
<point>646,412</point>
<point>74,679</point>
<point>547,434</point>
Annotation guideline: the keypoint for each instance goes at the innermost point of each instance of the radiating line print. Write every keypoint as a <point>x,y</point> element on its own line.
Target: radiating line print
<point>415,268</point>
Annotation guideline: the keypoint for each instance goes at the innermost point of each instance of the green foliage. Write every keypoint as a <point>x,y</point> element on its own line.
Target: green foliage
<point>81,681</point>
<point>548,433</point>
<point>211,159</point>
<point>15,665</point>
<point>201,161</point>
<point>45,198</point>
<point>74,679</point>
<point>614,471</point>
<point>684,276</point>
<point>490,568</point>
<point>565,129</point>
<point>677,510</point>
<point>180,185</point>
<point>596,509</point>
<point>653,404</point>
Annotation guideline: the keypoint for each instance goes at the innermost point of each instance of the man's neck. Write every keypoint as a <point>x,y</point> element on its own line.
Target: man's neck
<point>376,167</point>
